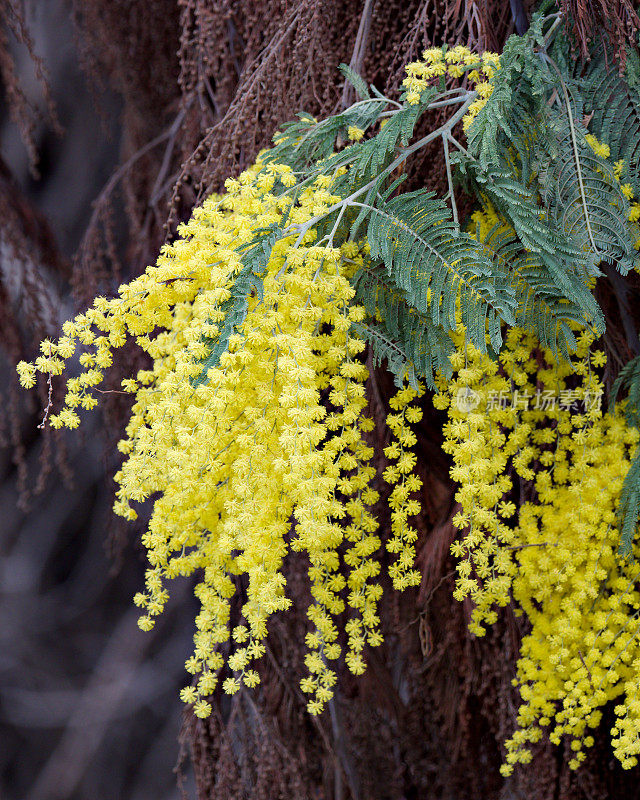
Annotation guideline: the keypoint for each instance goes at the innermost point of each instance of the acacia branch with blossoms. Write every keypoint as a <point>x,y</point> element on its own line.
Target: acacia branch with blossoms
<point>250,428</point>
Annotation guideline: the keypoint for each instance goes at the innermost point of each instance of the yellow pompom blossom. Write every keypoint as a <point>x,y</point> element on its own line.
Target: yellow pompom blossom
<point>26,374</point>
<point>599,148</point>
<point>456,63</point>
<point>233,450</point>
<point>476,437</point>
<point>582,600</point>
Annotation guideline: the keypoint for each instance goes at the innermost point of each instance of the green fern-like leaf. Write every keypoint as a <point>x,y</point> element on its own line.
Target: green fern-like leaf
<point>583,198</point>
<point>438,266</point>
<point>629,508</point>
<point>357,81</point>
<point>541,306</point>
<point>557,254</point>
<point>628,380</point>
<point>408,338</point>
<point>612,106</point>
<point>375,154</point>
<point>385,349</point>
<point>509,118</point>
<point>302,144</point>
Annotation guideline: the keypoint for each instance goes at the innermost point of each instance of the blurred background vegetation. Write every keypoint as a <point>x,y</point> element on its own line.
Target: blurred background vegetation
<point>88,703</point>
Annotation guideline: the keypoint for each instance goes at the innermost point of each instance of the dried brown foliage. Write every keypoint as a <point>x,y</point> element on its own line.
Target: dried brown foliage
<point>29,312</point>
<point>617,18</point>
<point>203,85</point>
<point>14,31</point>
<point>29,301</point>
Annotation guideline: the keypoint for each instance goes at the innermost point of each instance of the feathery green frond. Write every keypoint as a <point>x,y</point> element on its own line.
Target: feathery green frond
<point>612,106</point>
<point>438,265</point>
<point>628,380</point>
<point>583,197</point>
<point>386,349</point>
<point>407,338</point>
<point>357,81</point>
<point>376,153</point>
<point>558,255</point>
<point>302,144</point>
<point>509,119</point>
<point>540,305</point>
<point>629,508</point>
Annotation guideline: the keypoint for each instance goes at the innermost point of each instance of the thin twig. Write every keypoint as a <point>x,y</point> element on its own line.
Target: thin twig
<point>359,49</point>
<point>447,163</point>
<point>49,400</point>
<point>302,228</point>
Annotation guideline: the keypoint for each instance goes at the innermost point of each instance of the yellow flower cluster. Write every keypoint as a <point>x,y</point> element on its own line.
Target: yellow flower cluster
<point>582,601</point>
<point>273,432</point>
<point>526,433</point>
<point>400,474</point>
<point>455,63</point>
<point>185,271</point>
<point>480,437</point>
